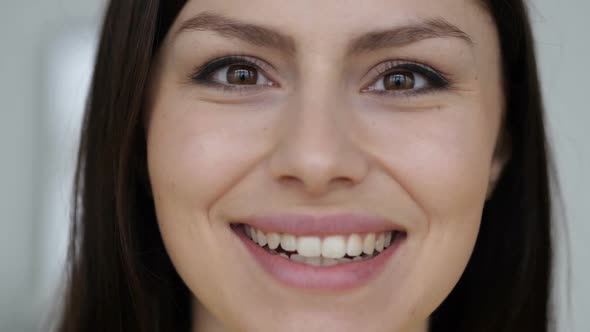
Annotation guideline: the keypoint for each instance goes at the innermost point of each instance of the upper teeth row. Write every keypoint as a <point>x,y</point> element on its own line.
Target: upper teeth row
<point>335,246</point>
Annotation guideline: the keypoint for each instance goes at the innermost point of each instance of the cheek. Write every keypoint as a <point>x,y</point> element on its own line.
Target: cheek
<point>441,158</point>
<point>442,162</point>
<point>196,154</point>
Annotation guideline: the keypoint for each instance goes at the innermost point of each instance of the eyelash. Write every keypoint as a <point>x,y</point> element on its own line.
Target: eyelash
<point>203,74</point>
<point>436,80</point>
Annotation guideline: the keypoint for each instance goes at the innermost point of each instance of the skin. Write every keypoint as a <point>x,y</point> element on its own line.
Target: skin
<point>316,142</point>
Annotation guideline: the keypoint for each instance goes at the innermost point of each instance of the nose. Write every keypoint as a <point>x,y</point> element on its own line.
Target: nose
<point>316,151</point>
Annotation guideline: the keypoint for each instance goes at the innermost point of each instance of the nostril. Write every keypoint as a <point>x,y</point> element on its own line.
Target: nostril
<point>344,180</point>
<point>316,186</point>
<point>290,181</point>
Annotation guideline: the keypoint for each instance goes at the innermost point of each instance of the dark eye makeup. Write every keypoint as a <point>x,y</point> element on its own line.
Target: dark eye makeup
<point>402,76</point>
<point>430,79</point>
<point>204,75</point>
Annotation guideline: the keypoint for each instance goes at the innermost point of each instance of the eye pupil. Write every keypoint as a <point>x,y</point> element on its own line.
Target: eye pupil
<point>399,81</point>
<point>242,75</point>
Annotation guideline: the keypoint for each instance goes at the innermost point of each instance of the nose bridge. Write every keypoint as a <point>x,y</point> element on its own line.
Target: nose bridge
<point>316,148</point>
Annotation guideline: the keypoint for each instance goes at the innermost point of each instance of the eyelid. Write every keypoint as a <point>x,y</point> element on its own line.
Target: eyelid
<point>202,74</point>
<point>436,78</point>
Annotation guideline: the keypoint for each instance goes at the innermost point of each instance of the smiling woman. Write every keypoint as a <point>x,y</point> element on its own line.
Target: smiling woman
<point>312,165</point>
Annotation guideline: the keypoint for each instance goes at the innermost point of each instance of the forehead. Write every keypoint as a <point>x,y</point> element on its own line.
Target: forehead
<point>337,20</point>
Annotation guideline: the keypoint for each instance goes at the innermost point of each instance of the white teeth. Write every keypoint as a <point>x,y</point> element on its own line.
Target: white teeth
<point>313,261</point>
<point>369,244</point>
<point>261,238</point>
<point>288,242</point>
<point>334,247</point>
<point>297,258</point>
<point>328,261</point>
<point>309,246</point>
<point>354,245</point>
<point>331,250</point>
<point>387,241</point>
<point>379,242</point>
<point>274,240</point>
<point>254,236</point>
<point>323,261</point>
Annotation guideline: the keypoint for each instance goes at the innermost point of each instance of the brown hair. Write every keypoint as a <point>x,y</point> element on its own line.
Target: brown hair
<point>121,278</point>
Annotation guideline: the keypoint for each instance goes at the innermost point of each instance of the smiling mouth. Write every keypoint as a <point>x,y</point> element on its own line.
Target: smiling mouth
<point>323,250</point>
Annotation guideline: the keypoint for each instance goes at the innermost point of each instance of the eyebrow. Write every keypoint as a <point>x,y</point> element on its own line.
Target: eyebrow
<point>266,37</point>
<point>407,34</point>
<point>231,28</point>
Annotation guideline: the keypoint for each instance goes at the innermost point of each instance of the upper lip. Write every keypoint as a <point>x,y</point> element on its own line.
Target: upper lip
<point>308,224</point>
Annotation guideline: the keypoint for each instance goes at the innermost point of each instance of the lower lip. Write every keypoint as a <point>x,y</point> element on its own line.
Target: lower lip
<point>339,277</point>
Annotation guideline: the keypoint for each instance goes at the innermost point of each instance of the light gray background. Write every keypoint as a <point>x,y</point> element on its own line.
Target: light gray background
<point>45,54</point>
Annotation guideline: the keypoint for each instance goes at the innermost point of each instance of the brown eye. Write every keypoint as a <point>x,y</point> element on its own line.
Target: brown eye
<point>406,78</point>
<point>242,75</point>
<point>399,80</point>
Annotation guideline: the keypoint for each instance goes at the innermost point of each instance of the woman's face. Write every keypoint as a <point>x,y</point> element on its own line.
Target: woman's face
<point>356,139</point>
